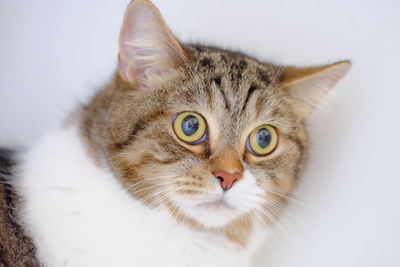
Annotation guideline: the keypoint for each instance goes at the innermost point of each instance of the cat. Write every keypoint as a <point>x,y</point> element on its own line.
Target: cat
<point>184,159</point>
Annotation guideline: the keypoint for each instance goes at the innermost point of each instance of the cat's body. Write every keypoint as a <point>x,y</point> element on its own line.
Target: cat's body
<point>184,159</point>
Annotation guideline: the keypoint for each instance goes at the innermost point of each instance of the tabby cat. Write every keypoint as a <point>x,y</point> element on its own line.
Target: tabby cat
<point>183,159</point>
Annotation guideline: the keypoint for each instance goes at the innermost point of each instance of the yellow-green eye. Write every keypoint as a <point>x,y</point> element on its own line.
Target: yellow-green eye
<point>190,127</point>
<point>262,140</point>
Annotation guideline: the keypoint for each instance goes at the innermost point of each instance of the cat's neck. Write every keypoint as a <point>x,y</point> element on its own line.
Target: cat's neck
<point>74,204</point>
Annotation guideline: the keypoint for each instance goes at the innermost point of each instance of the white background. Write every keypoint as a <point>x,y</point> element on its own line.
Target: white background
<point>54,54</point>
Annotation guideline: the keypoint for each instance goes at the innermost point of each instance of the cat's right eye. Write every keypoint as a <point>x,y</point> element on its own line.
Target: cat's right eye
<point>190,127</point>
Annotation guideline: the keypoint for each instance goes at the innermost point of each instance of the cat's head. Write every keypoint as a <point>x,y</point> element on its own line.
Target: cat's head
<point>208,134</point>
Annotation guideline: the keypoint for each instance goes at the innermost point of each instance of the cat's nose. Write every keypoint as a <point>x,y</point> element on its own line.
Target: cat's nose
<point>227,179</point>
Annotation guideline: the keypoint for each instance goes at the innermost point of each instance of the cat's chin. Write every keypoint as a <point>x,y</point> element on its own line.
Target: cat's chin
<point>212,214</point>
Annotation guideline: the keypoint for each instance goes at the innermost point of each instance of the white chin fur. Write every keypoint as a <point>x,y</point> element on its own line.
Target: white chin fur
<point>244,196</point>
<point>209,216</point>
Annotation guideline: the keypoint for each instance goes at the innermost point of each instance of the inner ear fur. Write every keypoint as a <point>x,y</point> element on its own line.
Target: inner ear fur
<point>308,86</point>
<point>147,48</point>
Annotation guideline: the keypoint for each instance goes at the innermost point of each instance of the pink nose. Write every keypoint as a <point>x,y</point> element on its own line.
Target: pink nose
<point>227,179</point>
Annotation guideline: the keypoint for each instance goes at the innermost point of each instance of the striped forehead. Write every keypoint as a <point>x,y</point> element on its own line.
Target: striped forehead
<point>231,88</point>
<point>233,78</point>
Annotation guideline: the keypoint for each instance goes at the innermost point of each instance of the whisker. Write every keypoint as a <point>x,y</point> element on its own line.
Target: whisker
<point>154,194</point>
<point>274,220</point>
<point>278,207</point>
<point>288,198</point>
<point>168,189</point>
<point>193,191</point>
<point>276,76</point>
<point>150,186</point>
<point>145,181</point>
<point>161,201</point>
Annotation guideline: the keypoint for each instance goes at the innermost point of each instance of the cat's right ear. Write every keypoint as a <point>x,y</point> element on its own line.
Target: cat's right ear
<point>147,48</point>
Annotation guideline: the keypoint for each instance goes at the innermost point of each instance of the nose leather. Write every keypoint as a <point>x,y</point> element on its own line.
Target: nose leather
<point>227,179</point>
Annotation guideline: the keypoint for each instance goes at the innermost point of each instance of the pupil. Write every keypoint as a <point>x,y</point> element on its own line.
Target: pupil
<point>190,125</point>
<point>263,138</point>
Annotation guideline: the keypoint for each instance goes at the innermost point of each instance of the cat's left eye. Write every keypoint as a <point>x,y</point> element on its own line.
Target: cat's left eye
<point>190,127</point>
<point>262,140</point>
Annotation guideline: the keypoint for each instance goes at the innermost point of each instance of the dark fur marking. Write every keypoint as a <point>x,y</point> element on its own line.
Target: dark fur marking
<point>250,92</point>
<point>205,62</point>
<point>242,64</point>
<point>217,81</point>
<point>226,101</point>
<point>168,161</point>
<point>139,126</point>
<point>207,150</point>
<point>6,161</point>
<point>198,48</point>
<point>223,58</point>
<point>16,248</point>
<point>263,77</point>
<point>147,159</point>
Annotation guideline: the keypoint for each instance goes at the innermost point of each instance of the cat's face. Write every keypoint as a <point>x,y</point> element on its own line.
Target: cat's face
<point>227,99</point>
<point>209,135</point>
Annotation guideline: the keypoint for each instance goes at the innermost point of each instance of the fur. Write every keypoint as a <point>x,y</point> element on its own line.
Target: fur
<point>16,246</point>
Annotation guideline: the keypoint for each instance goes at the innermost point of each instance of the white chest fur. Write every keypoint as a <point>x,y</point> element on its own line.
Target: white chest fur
<point>79,215</point>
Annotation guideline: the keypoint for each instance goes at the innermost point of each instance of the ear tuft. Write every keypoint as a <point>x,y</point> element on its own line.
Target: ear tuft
<point>146,46</point>
<point>308,86</point>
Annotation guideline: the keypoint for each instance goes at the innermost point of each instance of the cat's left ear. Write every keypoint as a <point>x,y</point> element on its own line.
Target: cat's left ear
<point>307,86</point>
<point>147,48</point>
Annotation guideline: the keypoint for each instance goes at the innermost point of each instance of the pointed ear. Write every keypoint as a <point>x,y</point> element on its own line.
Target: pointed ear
<point>308,86</point>
<point>146,46</point>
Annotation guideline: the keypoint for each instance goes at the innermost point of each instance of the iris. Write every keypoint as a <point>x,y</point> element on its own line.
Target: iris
<point>263,138</point>
<point>190,125</point>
